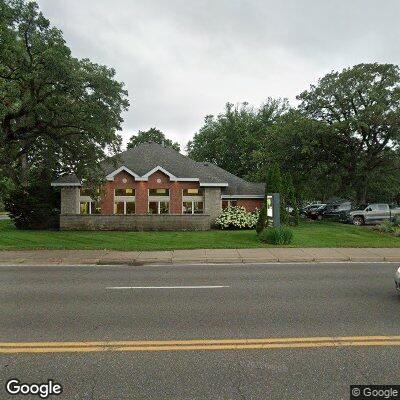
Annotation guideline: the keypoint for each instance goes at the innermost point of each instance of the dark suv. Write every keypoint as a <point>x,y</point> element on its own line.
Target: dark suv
<point>305,211</point>
<point>330,211</point>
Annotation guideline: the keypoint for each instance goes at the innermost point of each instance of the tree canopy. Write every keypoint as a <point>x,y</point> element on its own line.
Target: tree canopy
<point>342,140</point>
<point>152,135</point>
<point>361,108</point>
<point>230,138</point>
<point>57,112</point>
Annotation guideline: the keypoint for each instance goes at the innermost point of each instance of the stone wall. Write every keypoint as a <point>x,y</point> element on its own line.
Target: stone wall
<point>212,202</point>
<point>70,200</point>
<point>135,222</point>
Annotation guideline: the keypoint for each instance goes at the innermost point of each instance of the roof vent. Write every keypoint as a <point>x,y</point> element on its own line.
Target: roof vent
<point>205,164</point>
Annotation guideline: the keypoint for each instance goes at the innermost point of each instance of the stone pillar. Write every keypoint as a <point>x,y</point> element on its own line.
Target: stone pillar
<point>212,202</point>
<point>70,200</point>
<point>276,209</point>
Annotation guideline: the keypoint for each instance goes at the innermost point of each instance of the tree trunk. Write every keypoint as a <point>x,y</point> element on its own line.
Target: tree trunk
<point>362,191</point>
<point>24,170</point>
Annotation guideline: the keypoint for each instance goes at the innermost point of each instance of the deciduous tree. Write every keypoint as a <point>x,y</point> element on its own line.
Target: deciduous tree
<point>53,106</point>
<point>152,135</point>
<point>361,108</point>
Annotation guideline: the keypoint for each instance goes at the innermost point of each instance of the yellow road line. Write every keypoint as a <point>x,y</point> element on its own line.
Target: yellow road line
<point>185,345</point>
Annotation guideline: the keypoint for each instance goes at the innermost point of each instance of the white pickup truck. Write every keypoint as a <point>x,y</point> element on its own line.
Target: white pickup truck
<point>372,214</point>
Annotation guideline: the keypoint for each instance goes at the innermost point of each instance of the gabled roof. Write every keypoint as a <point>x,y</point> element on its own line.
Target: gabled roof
<point>145,159</point>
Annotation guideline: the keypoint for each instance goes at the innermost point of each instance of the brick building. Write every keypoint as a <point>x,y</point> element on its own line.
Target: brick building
<point>152,187</point>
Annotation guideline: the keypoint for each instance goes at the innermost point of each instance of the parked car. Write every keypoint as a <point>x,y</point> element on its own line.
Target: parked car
<point>372,214</point>
<point>397,279</point>
<point>304,212</point>
<point>317,213</point>
<point>337,211</point>
<point>329,211</point>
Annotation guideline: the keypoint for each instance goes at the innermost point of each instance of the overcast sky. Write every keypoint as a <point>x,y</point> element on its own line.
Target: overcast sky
<point>184,59</point>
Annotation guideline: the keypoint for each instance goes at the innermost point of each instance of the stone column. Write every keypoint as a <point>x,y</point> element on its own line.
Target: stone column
<point>212,202</point>
<point>276,209</point>
<point>70,200</point>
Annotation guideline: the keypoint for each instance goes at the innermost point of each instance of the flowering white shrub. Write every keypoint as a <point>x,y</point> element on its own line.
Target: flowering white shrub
<point>237,218</point>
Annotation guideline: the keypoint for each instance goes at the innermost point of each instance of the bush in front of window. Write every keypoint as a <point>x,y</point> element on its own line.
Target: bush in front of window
<point>237,217</point>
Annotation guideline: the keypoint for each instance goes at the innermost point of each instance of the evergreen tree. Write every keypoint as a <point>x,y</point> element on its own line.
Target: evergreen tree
<point>276,184</point>
<point>262,219</point>
<point>292,199</point>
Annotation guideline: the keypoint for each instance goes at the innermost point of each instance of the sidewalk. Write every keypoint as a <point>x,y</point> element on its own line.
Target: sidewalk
<point>245,256</point>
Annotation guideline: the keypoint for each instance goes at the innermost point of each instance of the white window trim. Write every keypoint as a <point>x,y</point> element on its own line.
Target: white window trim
<point>110,177</point>
<point>224,184</point>
<point>145,177</point>
<point>192,201</point>
<point>197,195</point>
<point>158,201</point>
<point>134,189</point>
<point>155,196</point>
<point>90,206</point>
<point>124,201</point>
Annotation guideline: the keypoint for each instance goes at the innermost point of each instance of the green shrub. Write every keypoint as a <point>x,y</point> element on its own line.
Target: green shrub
<point>386,227</point>
<point>237,218</point>
<point>280,236</point>
<point>262,220</point>
<point>396,220</point>
<point>34,207</point>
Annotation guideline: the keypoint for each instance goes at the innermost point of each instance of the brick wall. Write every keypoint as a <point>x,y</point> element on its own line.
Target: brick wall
<point>212,196</point>
<point>141,191</point>
<point>250,204</point>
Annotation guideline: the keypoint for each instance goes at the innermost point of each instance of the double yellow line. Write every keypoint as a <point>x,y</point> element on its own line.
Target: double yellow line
<point>190,345</point>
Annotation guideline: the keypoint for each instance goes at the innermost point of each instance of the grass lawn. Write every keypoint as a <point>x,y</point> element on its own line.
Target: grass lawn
<point>308,234</point>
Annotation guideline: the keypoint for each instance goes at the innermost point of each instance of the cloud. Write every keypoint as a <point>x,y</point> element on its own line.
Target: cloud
<point>181,60</point>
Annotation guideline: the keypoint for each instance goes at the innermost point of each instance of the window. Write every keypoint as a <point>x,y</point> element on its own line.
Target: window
<point>198,207</point>
<point>193,207</point>
<point>153,207</point>
<point>90,207</point>
<point>193,192</point>
<point>119,207</point>
<point>95,208</point>
<point>228,203</point>
<point>158,192</point>
<point>164,207</point>
<point>188,207</point>
<point>159,207</point>
<point>85,207</point>
<point>130,207</point>
<point>125,192</point>
<point>124,207</point>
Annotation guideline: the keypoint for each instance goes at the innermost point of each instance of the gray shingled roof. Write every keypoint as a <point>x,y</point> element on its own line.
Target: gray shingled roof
<point>65,179</point>
<point>147,156</point>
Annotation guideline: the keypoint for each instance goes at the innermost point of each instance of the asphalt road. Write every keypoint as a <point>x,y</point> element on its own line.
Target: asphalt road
<point>79,304</point>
